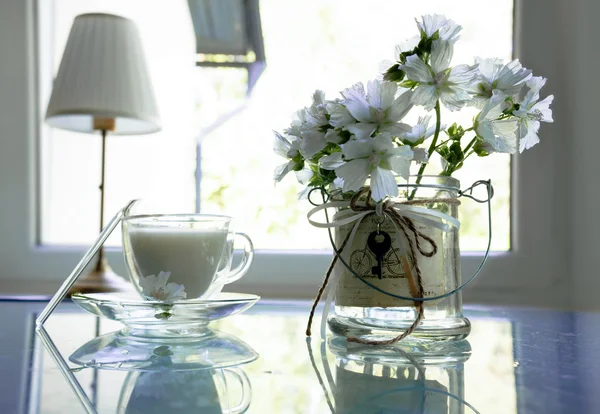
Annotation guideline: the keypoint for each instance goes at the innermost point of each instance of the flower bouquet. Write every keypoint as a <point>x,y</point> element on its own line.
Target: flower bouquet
<point>396,234</point>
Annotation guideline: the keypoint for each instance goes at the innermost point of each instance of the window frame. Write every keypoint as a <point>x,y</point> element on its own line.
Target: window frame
<point>531,273</point>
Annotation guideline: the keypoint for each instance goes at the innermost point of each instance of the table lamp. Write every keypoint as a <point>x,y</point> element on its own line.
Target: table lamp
<point>103,86</point>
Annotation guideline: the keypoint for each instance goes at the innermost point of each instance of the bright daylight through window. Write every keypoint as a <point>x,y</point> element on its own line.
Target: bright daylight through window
<point>309,45</point>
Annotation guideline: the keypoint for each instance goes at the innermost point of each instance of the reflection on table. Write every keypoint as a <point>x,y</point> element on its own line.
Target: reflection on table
<point>169,375</point>
<point>121,375</point>
<point>418,378</point>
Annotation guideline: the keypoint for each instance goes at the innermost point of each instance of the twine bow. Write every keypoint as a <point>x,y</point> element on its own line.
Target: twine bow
<point>403,216</point>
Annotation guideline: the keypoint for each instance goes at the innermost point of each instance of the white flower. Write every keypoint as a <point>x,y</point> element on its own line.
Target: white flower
<point>446,28</point>
<point>438,81</point>
<point>157,287</point>
<point>379,158</point>
<point>337,184</point>
<point>297,122</point>
<point>407,45</point>
<point>332,161</point>
<point>494,75</point>
<point>314,127</point>
<point>497,135</point>
<point>304,175</point>
<point>313,141</point>
<point>310,126</point>
<point>379,110</point>
<point>419,132</point>
<point>339,116</point>
<point>420,156</point>
<point>531,113</point>
<point>287,148</point>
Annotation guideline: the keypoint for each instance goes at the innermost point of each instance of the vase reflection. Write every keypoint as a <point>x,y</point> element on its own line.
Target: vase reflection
<point>419,379</point>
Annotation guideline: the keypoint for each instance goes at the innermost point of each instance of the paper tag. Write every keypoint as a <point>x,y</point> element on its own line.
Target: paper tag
<point>365,393</point>
<point>353,292</point>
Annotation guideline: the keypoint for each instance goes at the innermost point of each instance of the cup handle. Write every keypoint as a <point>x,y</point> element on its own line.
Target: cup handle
<point>247,258</point>
<point>246,397</point>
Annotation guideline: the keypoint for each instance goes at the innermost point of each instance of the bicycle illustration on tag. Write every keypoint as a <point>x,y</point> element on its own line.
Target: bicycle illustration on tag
<point>365,263</point>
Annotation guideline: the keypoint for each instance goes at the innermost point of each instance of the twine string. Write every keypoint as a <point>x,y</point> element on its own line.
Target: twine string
<point>323,286</point>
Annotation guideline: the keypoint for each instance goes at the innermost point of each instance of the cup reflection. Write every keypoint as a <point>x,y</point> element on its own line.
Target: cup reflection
<point>198,391</point>
<point>164,375</point>
<point>119,351</point>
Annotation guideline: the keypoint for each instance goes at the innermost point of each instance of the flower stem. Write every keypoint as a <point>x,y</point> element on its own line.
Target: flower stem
<point>468,147</point>
<point>441,144</point>
<point>450,139</point>
<point>432,146</point>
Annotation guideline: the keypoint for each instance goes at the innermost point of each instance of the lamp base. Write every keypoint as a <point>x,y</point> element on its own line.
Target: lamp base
<point>101,279</point>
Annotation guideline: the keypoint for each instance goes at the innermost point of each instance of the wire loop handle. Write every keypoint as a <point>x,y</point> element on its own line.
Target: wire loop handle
<point>324,195</point>
<point>469,191</point>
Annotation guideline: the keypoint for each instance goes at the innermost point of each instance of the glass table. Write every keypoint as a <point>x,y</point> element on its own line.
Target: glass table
<point>515,361</point>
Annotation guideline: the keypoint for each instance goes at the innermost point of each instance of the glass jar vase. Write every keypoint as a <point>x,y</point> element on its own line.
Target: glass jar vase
<point>373,290</point>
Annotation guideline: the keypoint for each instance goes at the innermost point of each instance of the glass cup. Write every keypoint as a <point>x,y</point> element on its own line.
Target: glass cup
<point>182,256</point>
<point>225,273</point>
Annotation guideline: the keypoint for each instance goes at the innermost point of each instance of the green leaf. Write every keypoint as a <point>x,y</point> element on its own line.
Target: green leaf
<point>330,148</point>
<point>409,84</point>
<point>478,149</point>
<point>345,135</point>
<point>413,144</point>
<point>394,74</point>
<point>408,53</point>
<point>424,45</point>
<point>444,151</point>
<point>456,149</point>
<point>298,159</point>
<point>452,130</point>
<point>455,132</point>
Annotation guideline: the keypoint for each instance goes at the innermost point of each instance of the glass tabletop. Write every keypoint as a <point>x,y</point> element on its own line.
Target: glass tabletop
<point>259,361</point>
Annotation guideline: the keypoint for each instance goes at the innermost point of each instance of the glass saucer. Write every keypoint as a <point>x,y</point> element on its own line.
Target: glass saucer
<point>119,351</point>
<point>154,318</point>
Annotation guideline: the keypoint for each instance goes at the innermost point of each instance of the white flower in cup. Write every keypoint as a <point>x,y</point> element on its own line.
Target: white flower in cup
<point>157,287</point>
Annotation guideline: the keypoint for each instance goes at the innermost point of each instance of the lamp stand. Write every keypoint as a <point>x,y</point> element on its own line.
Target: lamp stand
<point>101,278</point>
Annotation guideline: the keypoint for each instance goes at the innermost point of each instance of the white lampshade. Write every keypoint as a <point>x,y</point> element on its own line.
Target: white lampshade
<point>103,74</point>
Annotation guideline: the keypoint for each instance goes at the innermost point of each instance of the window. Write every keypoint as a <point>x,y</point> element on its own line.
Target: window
<point>237,159</point>
<point>23,258</point>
